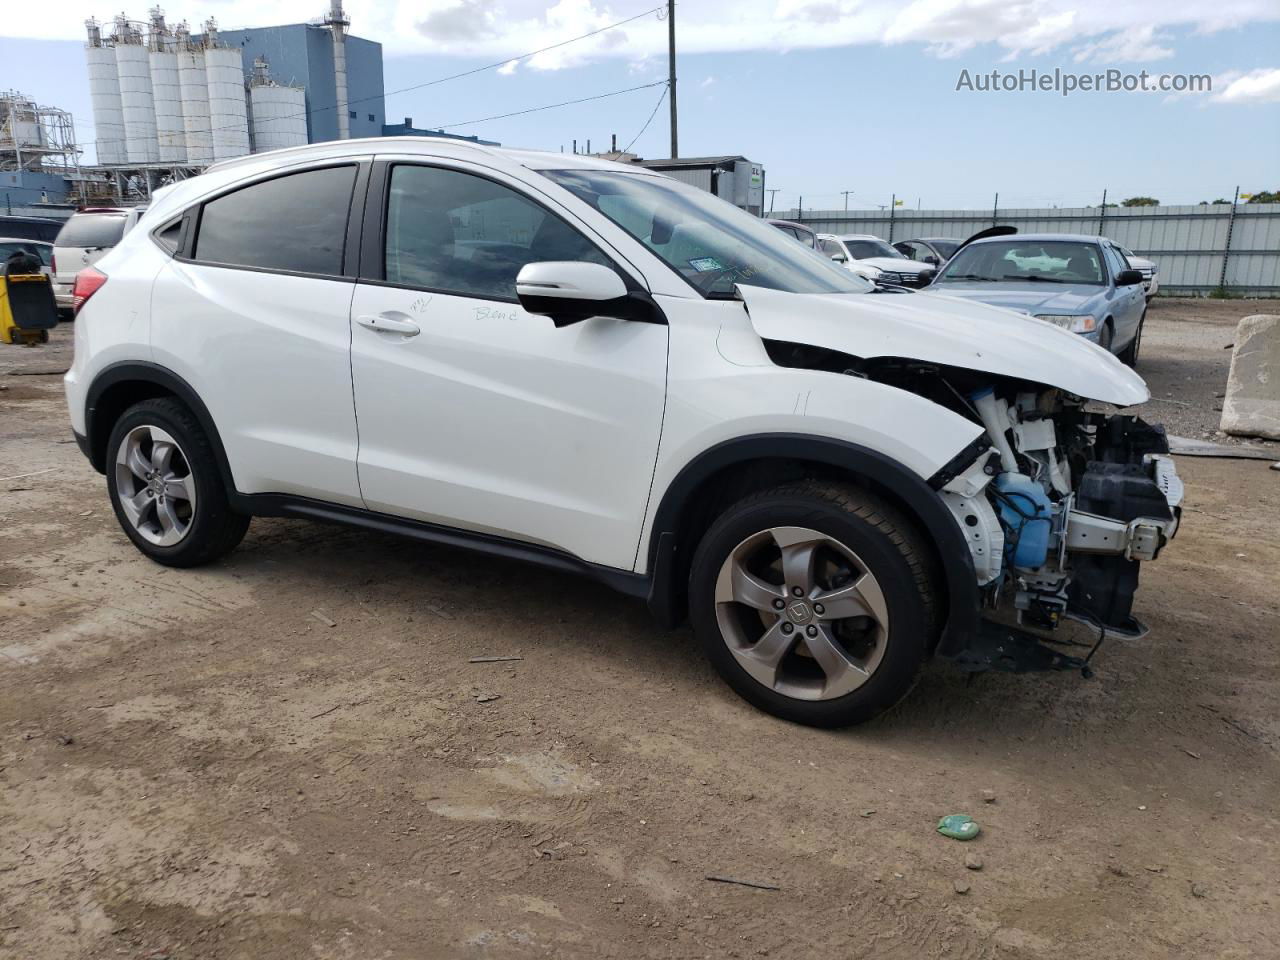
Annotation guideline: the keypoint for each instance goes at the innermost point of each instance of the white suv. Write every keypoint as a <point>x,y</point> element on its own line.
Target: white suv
<point>594,367</point>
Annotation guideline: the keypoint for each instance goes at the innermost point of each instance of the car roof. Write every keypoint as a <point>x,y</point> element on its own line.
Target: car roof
<point>431,147</point>
<point>226,173</point>
<point>854,236</point>
<point>1071,237</point>
<point>43,243</point>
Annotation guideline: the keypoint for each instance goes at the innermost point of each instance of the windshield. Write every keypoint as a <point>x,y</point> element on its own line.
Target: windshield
<point>709,242</point>
<point>862,248</point>
<point>92,230</point>
<point>946,248</point>
<point>1021,261</point>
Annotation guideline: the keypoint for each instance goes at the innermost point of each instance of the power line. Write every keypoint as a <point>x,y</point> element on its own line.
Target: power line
<point>550,106</point>
<point>662,96</point>
<point>456,76</point>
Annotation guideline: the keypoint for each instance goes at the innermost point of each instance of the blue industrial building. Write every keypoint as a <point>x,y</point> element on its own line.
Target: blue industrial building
<point>301,54</point>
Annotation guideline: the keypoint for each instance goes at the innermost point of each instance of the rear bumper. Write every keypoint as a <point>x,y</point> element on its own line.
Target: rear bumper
<point>62,295</point>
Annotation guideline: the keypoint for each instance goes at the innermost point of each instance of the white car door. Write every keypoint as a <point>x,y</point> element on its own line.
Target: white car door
<point>255,316</point>
<point>475,414</point>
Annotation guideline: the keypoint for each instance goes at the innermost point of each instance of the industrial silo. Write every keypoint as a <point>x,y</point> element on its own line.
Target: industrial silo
<point>194,86</point>
<point>133,65</point>
<point>104,94</point>
<point>166,91</point>
<point>279,113</point>
<point>228,118</point>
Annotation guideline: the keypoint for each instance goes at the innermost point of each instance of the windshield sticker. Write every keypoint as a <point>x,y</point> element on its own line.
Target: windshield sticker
<point>703,264</point>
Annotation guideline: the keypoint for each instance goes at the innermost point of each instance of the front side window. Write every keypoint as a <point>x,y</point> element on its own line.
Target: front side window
<point>296,223</point>
<point>832,248</point>
<point>460,233</point>
<point>1045,261</point>
<point>711,243</point>
<point>1116,260</point>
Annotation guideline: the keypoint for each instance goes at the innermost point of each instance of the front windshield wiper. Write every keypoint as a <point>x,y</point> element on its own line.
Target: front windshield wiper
<point>969,276</point>
<point>1033,278</point>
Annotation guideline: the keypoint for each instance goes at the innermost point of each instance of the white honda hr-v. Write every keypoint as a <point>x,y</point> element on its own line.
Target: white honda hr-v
<point>594,367</point>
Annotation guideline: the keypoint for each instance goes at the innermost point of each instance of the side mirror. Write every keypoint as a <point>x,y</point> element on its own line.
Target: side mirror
<point>1127,278</point>
<point>570,291</point>
<point>839,258</point>
<point>931,259</point>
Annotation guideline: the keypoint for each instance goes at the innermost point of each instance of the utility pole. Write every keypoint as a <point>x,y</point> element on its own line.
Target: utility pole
<point>772,192</point>
<point>1102,212</point>
<point>671,74</point>
<point>893,206</point>
<point>846,199</point>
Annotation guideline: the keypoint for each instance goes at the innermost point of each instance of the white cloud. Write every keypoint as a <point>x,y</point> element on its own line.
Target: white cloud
<point>1140,45</point>
<point>1094,31</point>
<point>1257,86</point>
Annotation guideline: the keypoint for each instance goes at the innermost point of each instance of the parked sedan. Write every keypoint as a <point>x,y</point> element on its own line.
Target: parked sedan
<point>858,252</point>
<point>1080,283</point>
<point>1150,272</point>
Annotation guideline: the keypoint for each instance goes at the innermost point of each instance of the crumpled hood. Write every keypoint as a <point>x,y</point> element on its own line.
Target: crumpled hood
<point>945,330</point>
<point>1033,298</point>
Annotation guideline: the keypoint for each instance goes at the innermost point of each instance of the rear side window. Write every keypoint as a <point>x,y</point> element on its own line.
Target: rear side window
<point>296,223</point>
<point>92,230</point>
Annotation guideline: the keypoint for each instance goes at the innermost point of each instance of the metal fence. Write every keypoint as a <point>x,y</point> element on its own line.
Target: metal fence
<point>1200,249</point>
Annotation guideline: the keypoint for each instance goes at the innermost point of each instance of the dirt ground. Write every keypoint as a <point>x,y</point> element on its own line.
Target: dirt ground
<point>289,754</point>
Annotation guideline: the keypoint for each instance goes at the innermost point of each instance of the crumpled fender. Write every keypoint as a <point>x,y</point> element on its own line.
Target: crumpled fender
<point>948,331</point>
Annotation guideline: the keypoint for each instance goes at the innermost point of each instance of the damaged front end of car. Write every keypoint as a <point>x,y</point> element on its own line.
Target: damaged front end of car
<point>1061,497</point>
<point>1060,512</point>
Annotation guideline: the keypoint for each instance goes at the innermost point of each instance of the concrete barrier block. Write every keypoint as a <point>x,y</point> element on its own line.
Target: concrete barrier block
<point>1252,405</point>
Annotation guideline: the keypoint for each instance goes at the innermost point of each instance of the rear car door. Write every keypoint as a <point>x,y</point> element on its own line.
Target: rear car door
<point>254,313</point>
<point>475,414</point>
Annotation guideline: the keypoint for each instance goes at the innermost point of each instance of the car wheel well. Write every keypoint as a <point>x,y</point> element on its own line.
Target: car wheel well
<point>111,405</point>
<point>730,484</point>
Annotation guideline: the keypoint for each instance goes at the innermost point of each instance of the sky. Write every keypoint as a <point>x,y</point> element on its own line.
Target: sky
<point>828,95</point>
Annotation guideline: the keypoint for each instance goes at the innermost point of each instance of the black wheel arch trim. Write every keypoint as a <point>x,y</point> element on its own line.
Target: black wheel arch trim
<point>912,490</point>
<point>144,371</point>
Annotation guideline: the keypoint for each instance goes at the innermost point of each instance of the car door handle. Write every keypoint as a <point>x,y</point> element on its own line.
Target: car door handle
<point>390,322</point>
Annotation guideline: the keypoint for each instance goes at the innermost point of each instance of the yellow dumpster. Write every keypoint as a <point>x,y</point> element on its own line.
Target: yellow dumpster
<point>28,310</point>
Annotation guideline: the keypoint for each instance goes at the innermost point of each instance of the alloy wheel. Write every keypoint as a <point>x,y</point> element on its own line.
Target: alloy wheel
<point>801,613</point>
<point>154,485</point>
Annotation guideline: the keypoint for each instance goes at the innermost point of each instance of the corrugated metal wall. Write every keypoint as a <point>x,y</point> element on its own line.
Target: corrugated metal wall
<point>1188,243</point>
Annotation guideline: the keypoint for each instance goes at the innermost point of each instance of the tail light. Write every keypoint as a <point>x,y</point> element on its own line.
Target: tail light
<point>53,264</point>
<point>88,282</point>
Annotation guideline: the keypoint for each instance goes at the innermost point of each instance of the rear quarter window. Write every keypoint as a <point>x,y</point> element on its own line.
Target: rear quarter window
<point>92,230</point>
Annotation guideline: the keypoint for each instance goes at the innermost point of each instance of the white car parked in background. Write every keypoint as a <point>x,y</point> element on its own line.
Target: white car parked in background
<point>83,241</point>
<point>594,367</point>
<point>1150,272</point>
<point>865,254</point>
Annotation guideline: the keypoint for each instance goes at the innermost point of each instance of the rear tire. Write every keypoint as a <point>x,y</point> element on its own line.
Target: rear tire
<point>822,664</point>
<point>165,486</point>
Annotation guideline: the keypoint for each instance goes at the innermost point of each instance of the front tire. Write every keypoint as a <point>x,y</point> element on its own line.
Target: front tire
<point>815,602</point>
<point>1129,355</point>
<point>165,487</point>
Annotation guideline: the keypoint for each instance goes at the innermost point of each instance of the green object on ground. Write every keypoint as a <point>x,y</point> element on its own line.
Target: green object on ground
<point>959,826</point>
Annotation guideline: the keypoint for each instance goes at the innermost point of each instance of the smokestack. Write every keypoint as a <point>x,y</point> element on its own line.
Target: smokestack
<point>337,23</point>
